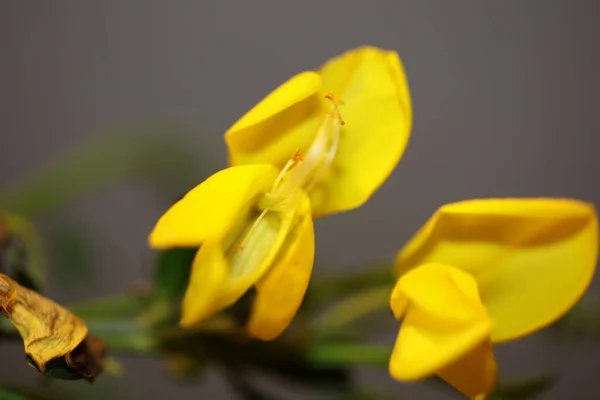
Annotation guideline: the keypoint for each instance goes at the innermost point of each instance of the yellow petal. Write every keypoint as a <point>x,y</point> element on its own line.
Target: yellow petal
<point>377,112</point>
<point>254,254</point>
<point>444,323</point>
<point>533,258</point>
<point>283,122</point>
<point>208,275</point>
<point>213,208</point>
<point>378,116</point>
<point>475,374</point>
<point>281,291</point>
<point>225,268</point>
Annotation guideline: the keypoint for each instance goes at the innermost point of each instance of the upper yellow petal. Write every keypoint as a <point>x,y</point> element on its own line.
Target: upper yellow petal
<point>377,112</point>
<point>214,208</point>
<point>283,122</point>
<point>443,322</point>
<point>281,291</point>
<point>533,258</point>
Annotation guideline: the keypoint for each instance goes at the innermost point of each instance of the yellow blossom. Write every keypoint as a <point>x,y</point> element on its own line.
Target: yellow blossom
<point>253,221</point>
<point>254,227</point>
<point>345,164</point>
<point>484,271</point>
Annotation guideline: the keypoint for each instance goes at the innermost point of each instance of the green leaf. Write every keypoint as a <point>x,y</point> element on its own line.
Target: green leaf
<point>326,288</point>
<point>7,394</point>
<point>349,354</point>
<point>124,307</point>
<point>118,321</point>
<point>172,272</point>
<point>22,255</point>
<point>130,339</point>
<point>235,351</point>
<point>155,153</point>
<point>69,244</point>
<point>338,317</point>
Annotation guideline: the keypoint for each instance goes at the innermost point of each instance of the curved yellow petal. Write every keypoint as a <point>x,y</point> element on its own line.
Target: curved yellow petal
<point>214,208</point>
<point>444,328</point>
<point>208,275</point>
<point>281,291</point>
<point>533,258</point>
<point>378,116</point>
<point>225,268</point>
<point>377,112</point>
<point>283,122</point>
<point>474,374</point>
<point>256,251</point>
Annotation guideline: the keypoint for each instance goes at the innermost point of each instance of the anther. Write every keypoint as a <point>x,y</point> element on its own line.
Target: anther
<point>297,156</point>
<point>336,102</point>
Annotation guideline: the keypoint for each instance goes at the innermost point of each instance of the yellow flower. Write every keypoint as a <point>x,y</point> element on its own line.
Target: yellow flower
<point>253,221</point>
<point>484,271</point>
<point>254,228</point>
<point>345,164</point>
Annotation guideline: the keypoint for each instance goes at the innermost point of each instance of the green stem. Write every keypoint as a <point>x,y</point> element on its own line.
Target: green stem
<point>349,354</point>
<point>351,309</point>
<point>325,288</point>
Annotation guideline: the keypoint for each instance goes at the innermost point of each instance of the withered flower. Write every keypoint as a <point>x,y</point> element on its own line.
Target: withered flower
<point>56,341</point>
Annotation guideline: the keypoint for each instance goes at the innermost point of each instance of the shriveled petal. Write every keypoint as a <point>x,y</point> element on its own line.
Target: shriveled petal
<point>213,208</point>
<point>208,275</point>
<point>444,323</point>
<point>377,112</point>
<point>533,258</point>
<point>281,291</point>
<point>283,122</point>
<point>48,330</point>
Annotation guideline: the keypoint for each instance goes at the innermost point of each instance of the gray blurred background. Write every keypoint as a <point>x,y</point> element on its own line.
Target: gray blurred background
<point>505,98</point>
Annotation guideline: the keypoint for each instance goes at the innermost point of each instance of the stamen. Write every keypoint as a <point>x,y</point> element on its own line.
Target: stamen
<point>295,158</point>
<point>241,245</point>
<point>336,102</point>
<point>308,171</point>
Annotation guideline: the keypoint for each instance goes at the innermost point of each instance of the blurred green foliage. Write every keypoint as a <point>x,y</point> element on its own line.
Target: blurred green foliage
<point>159,154</point>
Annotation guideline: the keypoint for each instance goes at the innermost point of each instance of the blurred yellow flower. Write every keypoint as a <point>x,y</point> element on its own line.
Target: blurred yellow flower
<point>484,271</point>
<point>254,228</point>
<point>345,164</point>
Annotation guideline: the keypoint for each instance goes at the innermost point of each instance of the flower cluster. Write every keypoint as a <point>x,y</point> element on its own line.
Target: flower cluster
<point>478,272</point>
